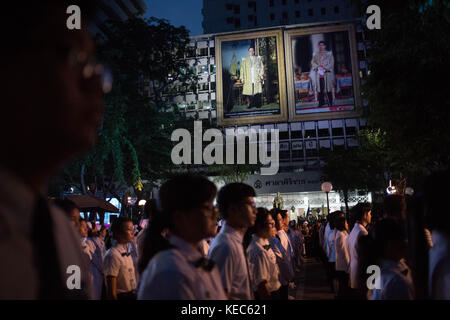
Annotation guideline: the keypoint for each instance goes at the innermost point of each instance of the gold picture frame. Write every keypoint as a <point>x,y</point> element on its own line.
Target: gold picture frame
<point>243,120</point>
<point>289,35</point>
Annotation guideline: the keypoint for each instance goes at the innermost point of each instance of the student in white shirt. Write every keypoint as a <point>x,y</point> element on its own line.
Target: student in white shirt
<point>386,246</point>
<point>282,254</point>
<point>118,264</point>
<point>173,267</point>
<point>331,250</point>
<point>342,255</point>
<point>361,213</point>
<point>262,261</point>
<point>96,266</point>
<point>237,207</point>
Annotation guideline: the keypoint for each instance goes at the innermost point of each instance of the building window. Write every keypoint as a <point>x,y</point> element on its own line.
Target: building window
<point>271,3</point>
<point>336,9</point>
<point>297,1</point>
<point>250,17</point>
<point>229,6</point>
<point>237,23</point>
<point>272,17</point>
<point>237,9</point>
<point>229,20</point>
<point>285,15</point>
<point>323,11</point>
<point>310,12</point>
<point>297,14</point>
<point>252,4</point>
<point>283,2</point>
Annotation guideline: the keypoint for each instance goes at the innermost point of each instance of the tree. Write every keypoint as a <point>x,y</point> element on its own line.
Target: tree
<point>145,58</point>
<point>406,88</point>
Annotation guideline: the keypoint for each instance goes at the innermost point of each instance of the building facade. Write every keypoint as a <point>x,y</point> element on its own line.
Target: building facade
<point>301,143</point>
<point>235,15</point>
<point>119,10</point>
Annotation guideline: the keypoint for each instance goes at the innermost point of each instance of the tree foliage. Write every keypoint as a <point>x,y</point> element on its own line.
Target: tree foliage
<point>134,138</point>
<point>406,88</point>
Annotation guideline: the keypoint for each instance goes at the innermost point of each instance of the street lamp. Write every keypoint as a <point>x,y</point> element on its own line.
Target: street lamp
<point>327,187</point>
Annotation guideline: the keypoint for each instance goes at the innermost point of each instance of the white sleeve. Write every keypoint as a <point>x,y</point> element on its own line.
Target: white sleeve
<point>111,265</point>
<point>221,255</point>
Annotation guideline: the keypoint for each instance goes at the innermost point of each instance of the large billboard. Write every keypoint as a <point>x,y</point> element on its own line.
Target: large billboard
<point>250,78</point>
<point>322,73</point>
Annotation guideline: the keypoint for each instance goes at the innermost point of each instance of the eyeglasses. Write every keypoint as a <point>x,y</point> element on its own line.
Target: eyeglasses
<point>76,58</point>
<point>270,224</point>
<point>90,67</point>
<point>250,203</point>
<point>209,212</point>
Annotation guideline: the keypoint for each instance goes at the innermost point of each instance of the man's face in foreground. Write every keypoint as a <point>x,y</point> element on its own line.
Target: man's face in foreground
<point>52,93</point>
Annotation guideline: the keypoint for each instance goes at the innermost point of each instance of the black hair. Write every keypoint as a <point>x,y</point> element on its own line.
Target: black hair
<point>332,218</point>
<point>233,193</point>
<point>339,222</point>
<point>284,214</point>
<point>117,226</point>
<point>358,211</point>
<point>179,194</point>
<point>321,41</point>
<point>65,204</point>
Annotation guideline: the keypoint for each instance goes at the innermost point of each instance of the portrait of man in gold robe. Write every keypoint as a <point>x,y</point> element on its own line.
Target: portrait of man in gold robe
<point>252,77</point>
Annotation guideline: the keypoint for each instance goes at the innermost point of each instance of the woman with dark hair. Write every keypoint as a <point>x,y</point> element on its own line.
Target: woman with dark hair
<point>262,260</point>
<point>342,255</point>
<point>172,266</point>
<point>386,247</point>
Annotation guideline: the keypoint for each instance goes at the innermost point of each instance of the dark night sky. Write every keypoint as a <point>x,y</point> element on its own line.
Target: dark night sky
<point>178,12</point>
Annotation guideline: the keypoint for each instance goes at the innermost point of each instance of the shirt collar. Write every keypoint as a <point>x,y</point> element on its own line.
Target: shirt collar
<point>120,248</point>
<point>234,234</point>
<point>260,241</point>
<point>188,251</point>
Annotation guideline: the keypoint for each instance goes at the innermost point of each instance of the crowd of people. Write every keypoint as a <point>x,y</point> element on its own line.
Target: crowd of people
<point>48,252</point>
<point>193,248</point>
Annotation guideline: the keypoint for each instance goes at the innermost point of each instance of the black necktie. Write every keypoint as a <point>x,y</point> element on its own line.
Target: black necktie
<point>205,264</point>
<point>50,283</point>
<point>267,246</point>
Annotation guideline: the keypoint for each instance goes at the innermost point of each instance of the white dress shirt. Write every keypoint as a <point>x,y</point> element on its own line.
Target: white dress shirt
<point>283,260</point>
<point>439,267</point>
<point>396,282</point>
<point>96,266</point>
<point>173,275</point>
<point>19,278</point>
<point>352,241</point>
<point>325,235</point>
<point>331,253</point>
<point>119,263</point>
<point>227,251</point>
<point>263,264</point>
<point>341,249</point>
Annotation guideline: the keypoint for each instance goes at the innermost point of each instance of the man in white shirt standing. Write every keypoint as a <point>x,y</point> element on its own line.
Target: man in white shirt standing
<point>281,247</point>
<point>361,214</point>
<point>237,206</point>
<point>118,266</point>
